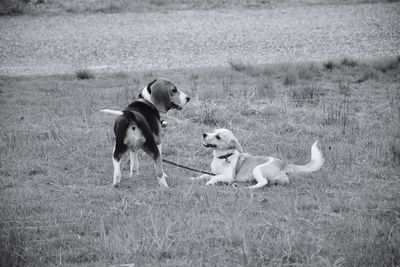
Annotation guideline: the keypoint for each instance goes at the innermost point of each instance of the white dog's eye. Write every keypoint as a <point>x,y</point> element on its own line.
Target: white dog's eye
<point>218,137</point>
<point>133,128</point>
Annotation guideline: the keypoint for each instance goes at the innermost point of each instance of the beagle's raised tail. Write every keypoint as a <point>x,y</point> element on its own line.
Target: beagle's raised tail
<point>317,160</point>
<point>110,111</point>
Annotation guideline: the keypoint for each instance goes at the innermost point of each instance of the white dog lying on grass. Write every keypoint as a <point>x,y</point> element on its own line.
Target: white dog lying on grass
<point>230,164</point>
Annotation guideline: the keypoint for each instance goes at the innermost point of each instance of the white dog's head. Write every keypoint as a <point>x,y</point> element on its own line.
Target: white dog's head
<point>221,139</point>
<point>164,95</point>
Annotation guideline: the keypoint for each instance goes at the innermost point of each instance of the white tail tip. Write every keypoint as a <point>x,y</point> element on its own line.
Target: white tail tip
<point>316,156</point>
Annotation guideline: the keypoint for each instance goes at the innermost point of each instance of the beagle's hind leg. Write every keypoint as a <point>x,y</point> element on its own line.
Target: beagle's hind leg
<point>118,152</point>
<point>151,149</point>
<point>161,157</point>
<point>161,178</point>
<point>121,125</point>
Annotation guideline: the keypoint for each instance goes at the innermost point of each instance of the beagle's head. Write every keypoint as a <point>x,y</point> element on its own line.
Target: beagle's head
<point>221,139</point>
<point>164,95</point>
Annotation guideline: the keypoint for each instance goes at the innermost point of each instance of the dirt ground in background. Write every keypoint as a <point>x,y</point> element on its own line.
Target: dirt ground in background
<point>36,45</point>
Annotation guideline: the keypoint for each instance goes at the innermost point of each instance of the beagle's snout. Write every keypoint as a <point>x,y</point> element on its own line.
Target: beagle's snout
<point>204,135</point>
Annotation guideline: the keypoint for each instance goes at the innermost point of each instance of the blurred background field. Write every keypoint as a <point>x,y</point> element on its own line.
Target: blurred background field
<point>36,7</point>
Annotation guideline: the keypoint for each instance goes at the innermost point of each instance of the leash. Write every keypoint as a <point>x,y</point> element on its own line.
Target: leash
<point>187,168</point>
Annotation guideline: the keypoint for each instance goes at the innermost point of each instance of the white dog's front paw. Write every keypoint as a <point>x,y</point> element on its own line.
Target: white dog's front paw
<point>201,177</point>
<point>211,182</point>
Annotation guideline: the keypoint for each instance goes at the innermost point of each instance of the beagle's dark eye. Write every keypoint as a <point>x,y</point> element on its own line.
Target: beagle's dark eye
<point>174,90</point>
<point>133,128</point>
<point>218,137</point>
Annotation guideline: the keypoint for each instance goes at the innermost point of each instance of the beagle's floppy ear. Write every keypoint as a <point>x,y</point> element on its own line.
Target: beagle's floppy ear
<point>148,87</point>
<point>235,144</point>
<point>146,92</point>
<point>159,95</point>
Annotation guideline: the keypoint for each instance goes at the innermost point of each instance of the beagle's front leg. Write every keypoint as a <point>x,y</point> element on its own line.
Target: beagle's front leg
<point>224,178</point>
<point>160,149</point>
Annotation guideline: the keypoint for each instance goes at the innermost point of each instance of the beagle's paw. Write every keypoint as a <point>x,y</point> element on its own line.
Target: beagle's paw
<point>162,182</point>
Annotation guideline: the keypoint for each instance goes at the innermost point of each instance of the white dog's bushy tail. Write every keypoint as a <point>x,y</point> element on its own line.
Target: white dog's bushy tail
<point>115,112</point>
<point>317,160</point>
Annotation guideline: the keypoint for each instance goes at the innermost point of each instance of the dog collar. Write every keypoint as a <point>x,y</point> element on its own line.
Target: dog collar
<point>226,157</point>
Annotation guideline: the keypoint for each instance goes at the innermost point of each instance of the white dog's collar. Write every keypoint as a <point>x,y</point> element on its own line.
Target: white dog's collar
<point>225,156</point>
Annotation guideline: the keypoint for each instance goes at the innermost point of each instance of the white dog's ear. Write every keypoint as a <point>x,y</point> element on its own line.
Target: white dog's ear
<point>235,144</point>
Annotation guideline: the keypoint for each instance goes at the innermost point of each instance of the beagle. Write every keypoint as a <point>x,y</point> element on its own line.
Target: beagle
<point>230,164</point>
<point>139,126</point>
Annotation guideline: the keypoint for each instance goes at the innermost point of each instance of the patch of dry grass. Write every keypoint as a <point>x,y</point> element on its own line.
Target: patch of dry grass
<point>59,208</point>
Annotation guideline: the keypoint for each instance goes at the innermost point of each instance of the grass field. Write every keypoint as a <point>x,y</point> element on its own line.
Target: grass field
<point>58,206</point>
<point>37,7</point>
